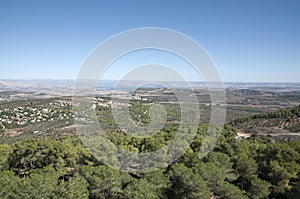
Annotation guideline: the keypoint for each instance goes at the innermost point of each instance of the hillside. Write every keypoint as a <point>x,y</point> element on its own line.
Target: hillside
<point>285,122</point>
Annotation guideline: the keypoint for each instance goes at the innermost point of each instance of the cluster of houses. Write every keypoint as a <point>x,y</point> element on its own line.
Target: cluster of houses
<point>23,115</point>
<point>54,111</point>
<point>116,102</point>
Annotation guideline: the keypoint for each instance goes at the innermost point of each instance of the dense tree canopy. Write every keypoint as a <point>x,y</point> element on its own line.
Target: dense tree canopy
<point>62,167</point>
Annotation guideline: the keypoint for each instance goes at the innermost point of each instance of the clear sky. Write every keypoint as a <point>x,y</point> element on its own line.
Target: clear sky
<point>252,41</point>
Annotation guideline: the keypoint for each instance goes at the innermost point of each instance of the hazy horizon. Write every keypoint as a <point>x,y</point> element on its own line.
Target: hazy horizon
<point>241,82</point>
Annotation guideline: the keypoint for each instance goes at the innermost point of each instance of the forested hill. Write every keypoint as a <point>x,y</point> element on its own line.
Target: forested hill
<point>235,169</point>
<point>285,121</point>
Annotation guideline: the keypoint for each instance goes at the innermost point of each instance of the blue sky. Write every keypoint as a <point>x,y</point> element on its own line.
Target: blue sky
<point>250,41</point>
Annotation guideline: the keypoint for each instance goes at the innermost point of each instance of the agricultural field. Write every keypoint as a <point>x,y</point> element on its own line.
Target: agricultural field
<point>55,116</point>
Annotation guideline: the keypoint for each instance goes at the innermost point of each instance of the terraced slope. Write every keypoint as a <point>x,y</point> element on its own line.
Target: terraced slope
<point>285,122</point>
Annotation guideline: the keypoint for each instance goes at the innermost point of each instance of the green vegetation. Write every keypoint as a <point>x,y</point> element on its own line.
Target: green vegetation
<point>63,168</point>
<point>287,113</point>
<point>42,157</point>
<point>285,119</point>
